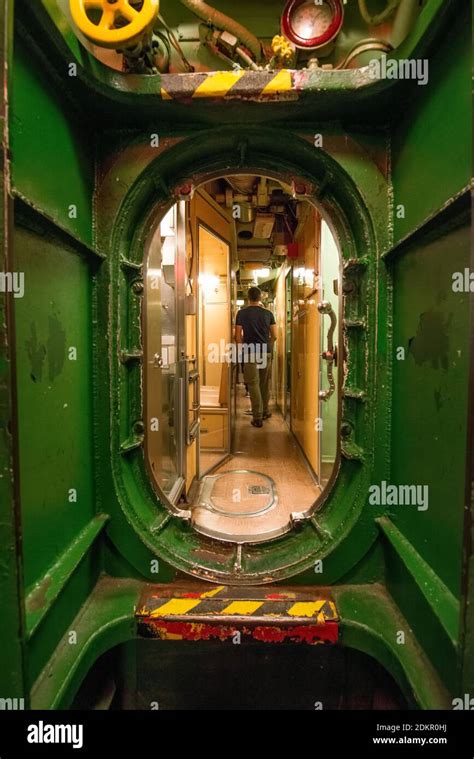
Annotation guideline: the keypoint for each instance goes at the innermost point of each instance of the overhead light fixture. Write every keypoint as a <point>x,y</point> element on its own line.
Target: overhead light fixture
<point>309,277</point>
<point>264,224</point>
<point>261,273</point>
<point>240,302</point>
<point>305,276</point>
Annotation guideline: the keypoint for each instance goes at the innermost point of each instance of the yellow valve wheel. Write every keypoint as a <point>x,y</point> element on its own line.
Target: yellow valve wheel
<point>114,24</point>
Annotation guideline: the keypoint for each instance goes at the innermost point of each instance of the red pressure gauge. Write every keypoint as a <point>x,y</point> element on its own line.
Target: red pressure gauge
<point>310,24</point>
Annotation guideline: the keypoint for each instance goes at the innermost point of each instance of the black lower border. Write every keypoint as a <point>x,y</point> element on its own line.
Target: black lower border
<point>147,733</point>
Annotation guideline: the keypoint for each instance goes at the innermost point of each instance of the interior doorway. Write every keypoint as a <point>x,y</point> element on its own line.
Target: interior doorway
<point>214,337</point>
<point>287,354</point>
<point>237,233</point>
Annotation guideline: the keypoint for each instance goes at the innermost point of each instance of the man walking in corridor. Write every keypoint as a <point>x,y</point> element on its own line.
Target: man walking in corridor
<point>255,335</point>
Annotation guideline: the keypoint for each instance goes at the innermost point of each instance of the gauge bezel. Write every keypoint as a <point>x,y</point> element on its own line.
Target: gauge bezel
<point>313,42</point>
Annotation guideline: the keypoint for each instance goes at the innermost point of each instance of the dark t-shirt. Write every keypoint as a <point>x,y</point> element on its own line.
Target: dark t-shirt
<point>256,322</point>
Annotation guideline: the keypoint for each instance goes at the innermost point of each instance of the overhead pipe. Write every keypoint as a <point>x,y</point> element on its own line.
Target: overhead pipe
<point>220,21</point>
<point>408,12</point>
<point>375,19</point>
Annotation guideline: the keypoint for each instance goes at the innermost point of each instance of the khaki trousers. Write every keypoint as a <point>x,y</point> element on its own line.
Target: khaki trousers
<point>258,383</point>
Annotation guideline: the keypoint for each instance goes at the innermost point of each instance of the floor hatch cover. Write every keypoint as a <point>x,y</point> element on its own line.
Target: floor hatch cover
<point>238,493</point>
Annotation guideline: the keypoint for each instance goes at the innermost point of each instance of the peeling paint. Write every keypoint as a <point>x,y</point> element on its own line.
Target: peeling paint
<point>431,343</point>
<point>196,631</point>
<point>36,353</point>
<point>37,599</point>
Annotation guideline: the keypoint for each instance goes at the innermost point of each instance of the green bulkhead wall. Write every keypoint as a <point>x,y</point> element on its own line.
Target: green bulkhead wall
<point>52,155</point>
<point>431,158</point>
<point>53,161</point>
<point>52,146</point>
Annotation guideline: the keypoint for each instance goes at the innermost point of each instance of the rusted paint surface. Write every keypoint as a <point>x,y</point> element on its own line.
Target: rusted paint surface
<point>195,613</point>
<point>279,596</point>
<point>166,629</point>
<point>37,599</point>
<point>245,85</point>
<point>325,633</point>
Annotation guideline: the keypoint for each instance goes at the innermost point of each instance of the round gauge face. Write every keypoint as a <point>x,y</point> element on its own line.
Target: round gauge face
<point>311,20</point>
<point>312,23</point>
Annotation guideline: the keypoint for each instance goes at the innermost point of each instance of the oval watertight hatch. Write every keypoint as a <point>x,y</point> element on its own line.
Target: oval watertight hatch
<point>246,399</point>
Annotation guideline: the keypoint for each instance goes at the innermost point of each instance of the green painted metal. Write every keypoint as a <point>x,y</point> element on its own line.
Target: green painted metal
<point>55,431</point>
<point>435,133</point>
<point>356,199</point>
<point>107,619</point>
<point>432,609</point>
<point>440,598</point>
<point>12,644</point>
<point>322,96</point>
<point>52,170</point>
<point>467,599</point>
<point>37,220</point>
<point>52,148</point>
<point>430,397</point>
<point>54,398</point>
<point>370,622</point>
<point>430,393</point>
<point>44,594</point>
<point>431,322</point>
<point>84,141</point>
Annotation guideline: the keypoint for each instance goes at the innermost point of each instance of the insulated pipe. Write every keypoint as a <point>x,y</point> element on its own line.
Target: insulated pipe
<point>220,21</point>
<point>407,13</point>
<point>374,19</point>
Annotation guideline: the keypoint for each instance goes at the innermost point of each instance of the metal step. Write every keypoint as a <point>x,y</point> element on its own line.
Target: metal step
<point>263,614</point>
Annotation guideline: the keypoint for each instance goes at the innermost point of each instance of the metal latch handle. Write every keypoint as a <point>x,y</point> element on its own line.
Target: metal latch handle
<point>329,355</point>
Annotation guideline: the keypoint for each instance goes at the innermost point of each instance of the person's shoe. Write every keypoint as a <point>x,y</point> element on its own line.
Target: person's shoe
<point>256,423</point>
<point>267,415</point>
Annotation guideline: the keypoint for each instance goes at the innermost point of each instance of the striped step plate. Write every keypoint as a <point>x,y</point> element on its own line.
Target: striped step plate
<point>257,85</point>
<point>259,613</point>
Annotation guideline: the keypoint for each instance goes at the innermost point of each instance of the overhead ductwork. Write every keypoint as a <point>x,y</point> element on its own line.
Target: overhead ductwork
<point>243,183</point>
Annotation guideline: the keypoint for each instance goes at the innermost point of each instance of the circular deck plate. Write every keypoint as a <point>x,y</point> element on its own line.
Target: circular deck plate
<point>238,493</point>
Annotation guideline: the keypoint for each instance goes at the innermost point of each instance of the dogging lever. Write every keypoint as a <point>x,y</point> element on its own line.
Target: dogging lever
<point>329,355</point>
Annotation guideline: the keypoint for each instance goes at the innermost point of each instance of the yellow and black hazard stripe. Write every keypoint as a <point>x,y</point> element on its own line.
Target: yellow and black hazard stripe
<point>257,613</point>
<point>259,85</point>
<point>318,611</point>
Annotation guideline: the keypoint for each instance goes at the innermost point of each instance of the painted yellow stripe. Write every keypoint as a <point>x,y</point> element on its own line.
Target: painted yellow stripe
<point>176,607</point>
<point>333,612</point>
<point>210,593</point>
<point>218,84</point>
<point>166,635</point>
<point>280,83</point>
<point>305,608</point>
<point>242,607</point>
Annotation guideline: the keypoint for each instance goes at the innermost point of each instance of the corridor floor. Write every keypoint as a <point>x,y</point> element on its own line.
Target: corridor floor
<point>271,451</point>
